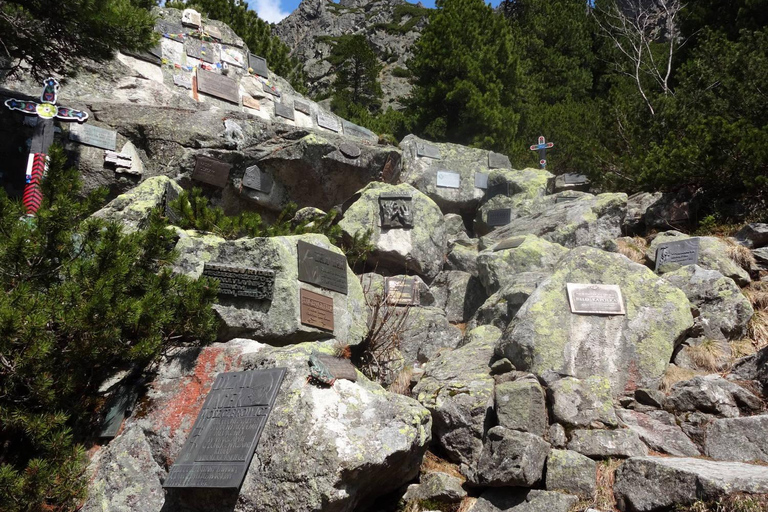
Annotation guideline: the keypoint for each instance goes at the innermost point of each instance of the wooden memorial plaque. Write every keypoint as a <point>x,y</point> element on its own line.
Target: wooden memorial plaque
<point>258,65</point>
<point>424,149</point>
<point>219,86</point>
<point>251,102</point>
<point>498,161</point>
<point>497,189</point>
<point>500,217</point>
<point>316,310</point>
<point>256,179</point>
<point>225,435</point>
<point>242,282</point>
<point>322,267</point>
<point>284,110</point>
<point>448,179</point>
<point>328,121</point>
<point>678,253</point>
<point>402,291</point>
<point>396,211</point>
<point>211,171</point>
<point>301,106</point>
<point>595,299</point>
<point>93,136</point>
<point>481,180</point>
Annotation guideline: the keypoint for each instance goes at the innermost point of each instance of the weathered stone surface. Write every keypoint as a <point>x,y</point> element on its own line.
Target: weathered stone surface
<point>739,439</point>
<point>658,436</point>
<point>724,310</point>
<point>637,205</point>
<point>426,331</point>
<point>462,255</point>
<point>132,209</point>
<point>501,307</point>
<point>436,486</point>
<point>655,484</point>
<point>557,436</point>
<point>631,350</point>
<point>711,394</point>
<point>458,293</point>
<point>457,388</point>
<point>520,405</point>
<point>754,367</point>
<point>650,397</point>
<point>571,472</point>
<point>753,235</point>
<point>277,321</point>
<point>420,249</point>
<point>603,444</point>
<point>510,458</point>
<point>582,403</point>
<point>523,500</point>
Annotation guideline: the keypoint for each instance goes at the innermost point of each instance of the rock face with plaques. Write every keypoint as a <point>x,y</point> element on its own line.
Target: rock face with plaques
<point>630,350</point>
<point>387,211</point>
<point>283,317</point>
<point>132,209</point>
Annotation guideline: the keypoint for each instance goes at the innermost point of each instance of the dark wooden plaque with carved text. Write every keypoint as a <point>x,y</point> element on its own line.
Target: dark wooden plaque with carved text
<point>219,86</point>
<point>322,267</point>
<point>211,171</point>
<point>499,217</point>
<point>316,310</point>
<point>242,282</point>
<point>402,290</point>
<point>225,435</point>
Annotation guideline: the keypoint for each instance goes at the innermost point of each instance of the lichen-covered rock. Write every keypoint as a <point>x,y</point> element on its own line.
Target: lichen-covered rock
<point>724,310</point>
<point>501,307</point>
<point>591,220</point>
<point>656,484</point>
<point>754,367</point>
<point>458,293</point>
<point>637,205</point>
<point>753,235</point>
<point>527,195</point>
<point>571,472</point>
<point>711,394</point>
<point>426,331</point>
<point>420,249</point>
<point>520,405</point>
<point>740,439</point>
<point>523,500</point>
<point>436,486</point>
<point>582,403</point>
<point>659,436</point>
<point>457,388</point>
<point>510,459</point>
<point>631,350</point>
<point>714,254</point>
<point>462,256</point>
<point>132,209</point>
<point>604,444</point>
<point>277,321</point>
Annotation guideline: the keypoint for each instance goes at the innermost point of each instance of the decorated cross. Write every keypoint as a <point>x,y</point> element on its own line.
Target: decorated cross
<point>37,164</point>
<point>542,148</point>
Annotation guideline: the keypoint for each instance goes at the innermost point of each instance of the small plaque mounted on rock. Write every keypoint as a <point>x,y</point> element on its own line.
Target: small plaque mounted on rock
<point>316,310</point>
<point>498,161</point>
<point>497,189</point>
<point>93,136</point>
<point>680,252</point>
<point>256,179</point>
<point>118,405</point>
<point>248,282</point>
<point>401,291</point>
<point>595,299</point>
<point>258,65</point>
<point>328,369</point>
<point>219,86</point>
<point>500,217</point>
<point>269,89</point>
<point>565,199</point>
<point>191,18</point>
<point>214,32</point>
<point>200,50</point>
<point>225,435</point>
<point>448,179</point>
<point>509,243</point>
<point>301,106</point>
<point>481,180</point>
<point>322,267</point>
<point>232,56</point>
<point>251,102</point>
<point>575,179</point>
<point>396,211</point>
<point>284,110</point>
<point>211,171</point>
<point>184,81</point>
<point>355,130</point>
<point>349,150</point>
<point>328,122</point>
<point>424,149</point>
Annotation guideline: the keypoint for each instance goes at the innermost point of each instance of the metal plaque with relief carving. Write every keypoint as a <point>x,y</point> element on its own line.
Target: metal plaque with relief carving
<point>322,267</point>
<point>242,282</point>
<point>225,435</point>
<point>680,252</point>
<point>401,290</point>
<point>396,211</point>
<point>316,310</point>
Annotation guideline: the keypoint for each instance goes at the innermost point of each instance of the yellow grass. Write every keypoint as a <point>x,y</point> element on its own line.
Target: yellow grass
<point>402,383</point>
<point>739,254</point>
<point>675,374</point>
<point>707,355</point>
<point>757,293</point>
<point>634,250</point>
<point>758,328</point>
<point>431,463</point>
<point>606,473</point>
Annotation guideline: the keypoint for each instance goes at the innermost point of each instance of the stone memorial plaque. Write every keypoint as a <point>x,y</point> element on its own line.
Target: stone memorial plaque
<point>249,282</point>
<point>499,217</point>
<point>575,179</point>
<point>211,171</point>
<point>448,179</point>
<point>214,32</point>
<point>225,435</point>
<point>170,195</point>
<point>396,211</point>
<point>509,243</point>
<point>595,299</point>
<point>680,252</point>
<point>191,18</point>
<point>349,150</point>
<point>328,122</point>
<point>118,405</point>
<point>284,110</point>
<point>427,150</point>
<point>481,180</point>
<point>497,189</point>
<point>91,135</point>
<point>251,102</point>
<point>354,130</point>
<point>498,161</point>
<point>565,199</point>
<point>256,179</point>
<point>316,310</point>
<point>219,86</point>
<point>184,81</point>
<point>330,368</point>
<point>301,106</point>
<point>233,56</point>
<point>258,65</point>
<point>402,291</point>
<point>322,267</point>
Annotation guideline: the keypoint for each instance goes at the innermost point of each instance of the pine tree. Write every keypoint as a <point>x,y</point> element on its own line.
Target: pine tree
<point>356,87</point>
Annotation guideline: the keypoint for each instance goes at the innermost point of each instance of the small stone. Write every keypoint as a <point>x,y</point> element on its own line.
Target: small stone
<point>436,486</point>
<point>503,365</point>
<point>511,458</point>
<point>571,472</point>
<point>739,439</point>
<point>557,437</point>
<point>650,397</point>
<point>604,444</point>
<point>520,405</point>
<point>582,403</point>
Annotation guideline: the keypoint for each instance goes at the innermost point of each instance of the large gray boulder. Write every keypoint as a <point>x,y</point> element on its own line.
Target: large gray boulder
<point>523,500</point>
<point>527,195</point>
<point>753,235</point>
<point>631,350</point>
<point>656,484</point>
<point>711,394</point>
<point>277,321</point>
<point>754,367</point>
<point>637,205</point>
<point>500,308</point>
<point>420,249</point>
<point>458,293</point>
<point>426,331</point>
<point>521,405</point>
<point>510,459</point>
<point>659,436</point>
<point>740,439</point>
<point>132,209</point>
<point>605,444</point>
<point>571,472</point>
<point>582,403</point>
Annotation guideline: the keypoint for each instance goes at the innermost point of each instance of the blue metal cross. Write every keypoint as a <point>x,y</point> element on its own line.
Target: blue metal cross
<point>542,148</point>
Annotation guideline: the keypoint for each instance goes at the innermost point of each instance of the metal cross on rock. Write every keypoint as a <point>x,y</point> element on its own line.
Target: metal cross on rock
<point>542,148</point>
<point>37,164</point>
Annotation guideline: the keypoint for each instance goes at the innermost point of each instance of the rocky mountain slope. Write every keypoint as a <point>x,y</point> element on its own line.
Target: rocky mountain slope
<point>391,27</point>
<point>506,399</point>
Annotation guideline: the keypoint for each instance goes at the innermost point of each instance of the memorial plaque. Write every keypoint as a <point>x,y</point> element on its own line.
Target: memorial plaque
<point>284,110</point>
<point>218,86</point>
<point>91,135</point>
<point>481,180</point>
<point>211,171</point>
<point>497,189</point>
<point>301,106</point>
<point>565,199</point>
<point>575,179</point>
<point>322,267</point>
<point>349,150</point>
<point>249,282</point>
<point>499,217</point>
<point>225,435</point>
<point>680,252</point>
<point>270,89</point>
<point>509,243</point>
<point>316,310</point>
<point>401,291</point>
<point>233,56</point>
<point>448,179</point>
<point>118,405</point>
<point>427,150</point>
<point>498,161</point>
<point>251,102</point>
<point>171,214</point>
<point>257,179</point>
<point>328,368</point>
<point>191,18</point>
<point>328,122</point>
<point>396,211</point>
<point>258,65</point>
<point>214,32</point>
<point>358,131</point>
<point>184,81</point>
<point>595,299</point>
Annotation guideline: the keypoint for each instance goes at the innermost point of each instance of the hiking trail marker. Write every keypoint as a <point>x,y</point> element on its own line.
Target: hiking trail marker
<point>542,148</point>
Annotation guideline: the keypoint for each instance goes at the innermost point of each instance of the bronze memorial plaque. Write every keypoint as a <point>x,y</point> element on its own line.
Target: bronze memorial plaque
<point>401,291</point>
<point>322,267</point>
<point>396,211</point>
<point>219,86</point>
<point>595,299</point>
<point>316,310</point>
<point>253,283</point>
<point>211,171</point>
<point>225,435</point>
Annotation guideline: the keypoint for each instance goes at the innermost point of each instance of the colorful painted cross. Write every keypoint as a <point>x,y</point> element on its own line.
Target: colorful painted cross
<point>542,148</point>
<point>37,164</point>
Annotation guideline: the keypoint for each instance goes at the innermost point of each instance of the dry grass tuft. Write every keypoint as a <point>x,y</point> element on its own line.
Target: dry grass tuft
<point>606,473</point>
<point>758,328</point>
<point>673,375</point>
<point>757,293</point>
<point>708,355</point>
<point>742,348</point>
<point>466,504</point>
<point>402,383</point>
<point>740,255</point>
<point>732,503</point>
<point>431,463</point>
<point>634,249</point>
<point>342,350</point>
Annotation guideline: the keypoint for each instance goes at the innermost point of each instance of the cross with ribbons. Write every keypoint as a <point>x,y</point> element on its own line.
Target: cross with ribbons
<point>542,148</point>
<point>37,164</point>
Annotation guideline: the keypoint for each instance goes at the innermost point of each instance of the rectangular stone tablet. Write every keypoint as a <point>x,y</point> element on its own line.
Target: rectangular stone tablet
<point>219,86</point>
<point>328,122</point>
<point>679,253</point>
<point>256,179</point>
<point>316,310</point>
<point>402,291</point>
<point>499,217</point>
<point>498,161</point>
<point>448,179</point>
<point>497,189</point>
<point>211,171</point>
<point>322,267</point>
<point>565,199</point>
<point>301,106</point>
<point>574,179</point>
<point>91,135</point>
<point>284,110</point>
<point>242,282</point>
<point>595,299</point>
<point>424,149</point>
<point>481,180</point>
<point>225,435</point>
<point>258,65</point>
